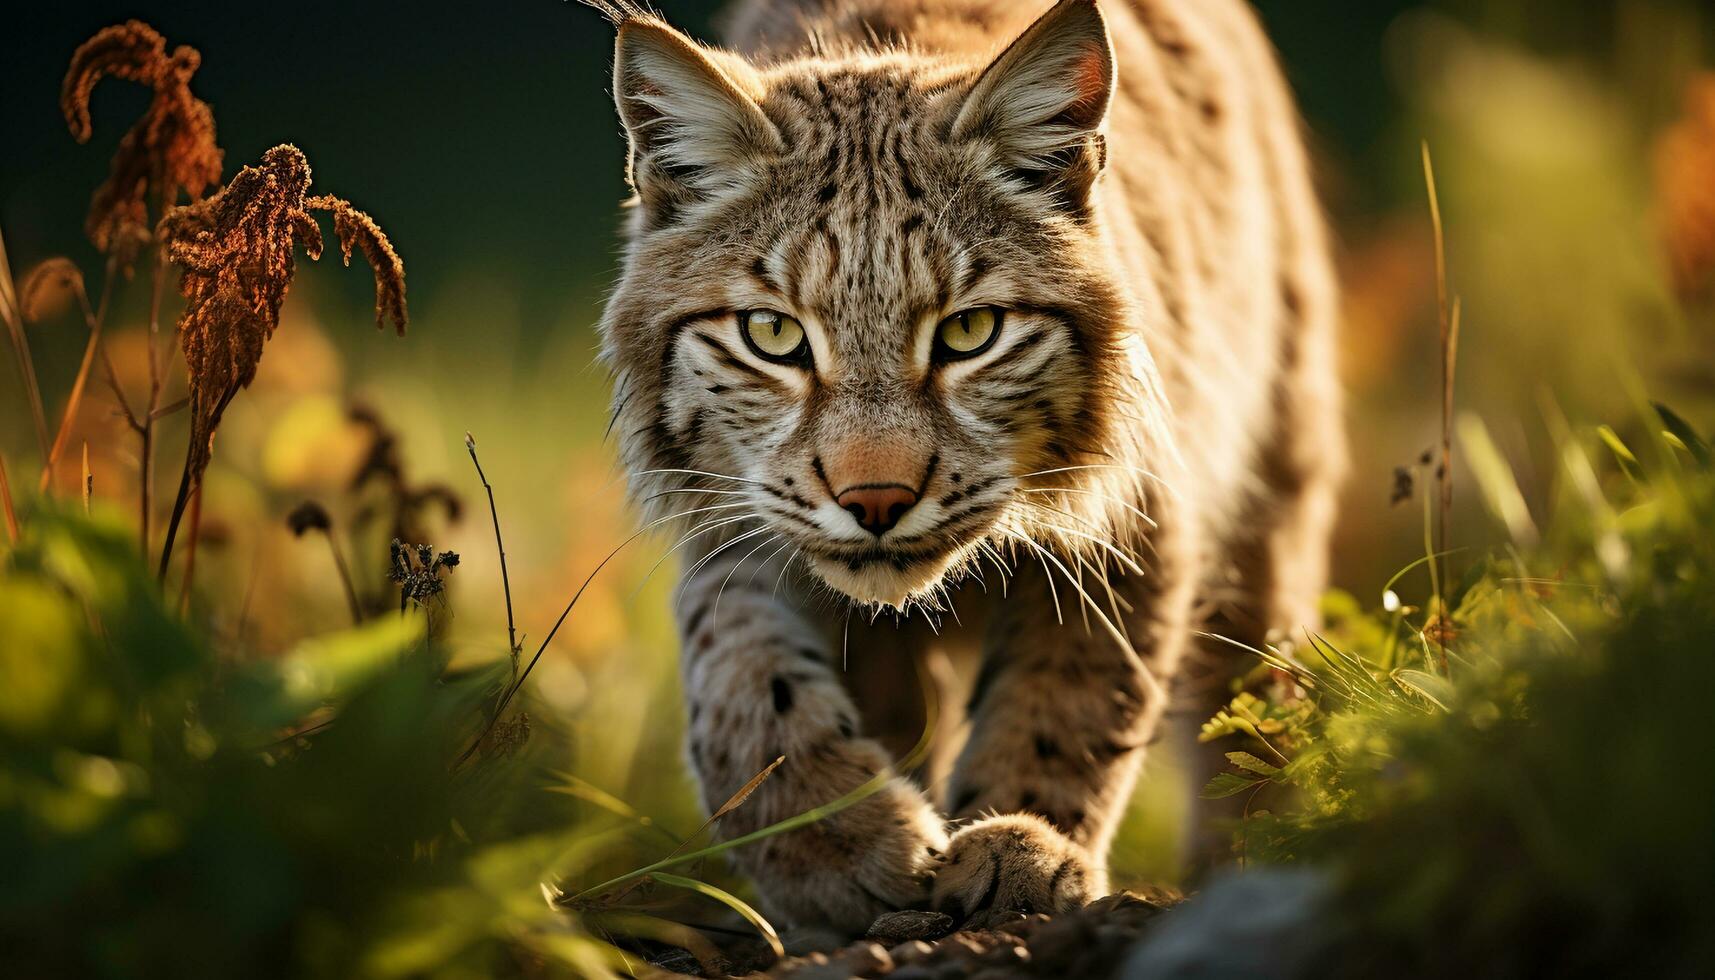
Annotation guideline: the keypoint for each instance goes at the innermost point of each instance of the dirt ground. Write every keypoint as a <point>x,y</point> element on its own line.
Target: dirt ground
<point>1090,942</point>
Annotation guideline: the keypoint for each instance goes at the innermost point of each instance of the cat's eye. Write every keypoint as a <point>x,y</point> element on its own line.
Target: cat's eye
<point>967,333</point>
<point>775,337</point>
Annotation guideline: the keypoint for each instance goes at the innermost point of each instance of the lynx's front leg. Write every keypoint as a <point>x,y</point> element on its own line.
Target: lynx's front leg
<point>1060,718</point>
<point>760,683</point>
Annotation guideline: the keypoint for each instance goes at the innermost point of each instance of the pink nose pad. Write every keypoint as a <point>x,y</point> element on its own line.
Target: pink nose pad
<point>878,509</point>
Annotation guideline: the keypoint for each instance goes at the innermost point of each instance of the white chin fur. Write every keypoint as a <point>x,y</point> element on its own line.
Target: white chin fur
<point>880,583</point>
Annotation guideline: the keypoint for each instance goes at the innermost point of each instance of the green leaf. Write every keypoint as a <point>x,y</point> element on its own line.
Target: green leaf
<point>1495,479</point>
<point>731,901</point>
<point>1250,763</point>
<point>276,693</point>
<point>1228,784</point>
<point>1628,462</point>
<point>1434,688</point>
<point>1688,438</point>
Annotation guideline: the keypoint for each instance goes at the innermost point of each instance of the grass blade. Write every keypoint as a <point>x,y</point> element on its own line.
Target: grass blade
<point>731,901</point>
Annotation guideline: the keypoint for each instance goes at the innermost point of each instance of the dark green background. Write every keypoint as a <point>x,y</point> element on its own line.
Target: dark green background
<point>480,135</point>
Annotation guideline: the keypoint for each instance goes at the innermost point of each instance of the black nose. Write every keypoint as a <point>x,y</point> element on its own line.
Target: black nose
<point>878,509</point>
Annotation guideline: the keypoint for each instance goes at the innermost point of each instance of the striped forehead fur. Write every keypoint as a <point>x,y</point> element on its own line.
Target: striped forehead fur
<point>870,220</point>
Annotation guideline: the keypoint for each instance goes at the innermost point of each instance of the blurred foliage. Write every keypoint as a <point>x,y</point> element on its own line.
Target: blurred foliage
<point>1535,798</point>
<point>154,822</point>
<point>161,816</point>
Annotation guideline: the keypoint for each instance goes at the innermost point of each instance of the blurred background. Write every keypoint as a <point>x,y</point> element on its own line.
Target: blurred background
<point>1574,146</point>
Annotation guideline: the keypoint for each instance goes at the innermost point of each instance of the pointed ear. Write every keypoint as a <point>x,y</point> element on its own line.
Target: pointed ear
<point>691,115</point>
<point>1043,101</point>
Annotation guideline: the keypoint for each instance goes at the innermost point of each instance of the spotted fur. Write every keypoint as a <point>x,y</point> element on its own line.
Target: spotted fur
<point>1153,439</point>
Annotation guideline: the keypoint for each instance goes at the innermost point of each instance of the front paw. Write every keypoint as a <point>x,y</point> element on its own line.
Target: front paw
<point>841,873</point>
<point>1013,862</point>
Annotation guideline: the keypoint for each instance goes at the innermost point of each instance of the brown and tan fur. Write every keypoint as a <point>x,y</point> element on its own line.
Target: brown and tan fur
<point>1151,444</point>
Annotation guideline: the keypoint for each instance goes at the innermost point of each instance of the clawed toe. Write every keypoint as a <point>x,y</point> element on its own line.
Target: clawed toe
<point>1013,862</point>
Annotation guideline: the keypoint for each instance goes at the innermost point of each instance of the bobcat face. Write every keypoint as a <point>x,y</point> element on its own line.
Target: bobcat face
<point>863,303</point>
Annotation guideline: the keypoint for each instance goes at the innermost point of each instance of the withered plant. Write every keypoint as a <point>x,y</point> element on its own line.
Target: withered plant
<point>171,148</point>
<point>170,153</point>
<point>236,255</point>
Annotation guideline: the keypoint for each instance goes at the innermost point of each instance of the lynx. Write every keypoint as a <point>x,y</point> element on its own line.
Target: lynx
<point>990,325</point>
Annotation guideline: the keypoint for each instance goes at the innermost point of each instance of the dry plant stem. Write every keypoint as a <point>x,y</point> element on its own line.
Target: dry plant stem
<point>6,504</point>
<point>191,549</point>
<point>512,690</point>
<point>1449,338</point>
<point>14,317</point>
<point>500,546</point>
<point>94,318</point>
<point>734,802</point>
<point>188,483</point>
<point>345,579</point>
<point>146,479</point>
<point>88,480</point>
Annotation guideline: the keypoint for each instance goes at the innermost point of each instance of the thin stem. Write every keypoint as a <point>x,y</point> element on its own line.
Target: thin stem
<point>146,479</point>
<point>1449,340</point>
<point>88,479</point>
<point>191,549</point>
<point>189,481</point>
<point>511,691</point>
<point>6,503</point>
<point>179,503</point>
<point>94,318</point>
<point>13,315</point>
<point>345,579</point>
<point>500,546</point>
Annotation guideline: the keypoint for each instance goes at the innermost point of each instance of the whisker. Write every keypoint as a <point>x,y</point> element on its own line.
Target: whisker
<point>707,490</point>
<point>1128,561</point>
<point>1052,591</point>
<point>1119,637</point>
<point>1094,493</point>
<point>784,566</point>
<point>685,539</point>
<point>703,473</point>
<point>785,543</point>
<point>715,615</point>
<point>1157,478</point>
<point>698,565</point>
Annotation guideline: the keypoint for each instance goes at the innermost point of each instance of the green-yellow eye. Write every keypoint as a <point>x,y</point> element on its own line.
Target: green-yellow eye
<point>775,336</point>
<point>967,334</point>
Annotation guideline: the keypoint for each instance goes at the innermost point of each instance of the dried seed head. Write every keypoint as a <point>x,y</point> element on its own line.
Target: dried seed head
<point>49,289</point>
<point>171,148</point>
<point>1404,485</point>
<point>1685,189</point>
<point>417,569</point>
<point>236,255</point>
<point>308,516</point>
<point>357,229</point>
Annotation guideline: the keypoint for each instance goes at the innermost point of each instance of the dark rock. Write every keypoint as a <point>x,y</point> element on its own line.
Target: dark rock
<point>898,927</point>
<point>995,919</point>
<point>1262,924</point>
<point>910,951</point>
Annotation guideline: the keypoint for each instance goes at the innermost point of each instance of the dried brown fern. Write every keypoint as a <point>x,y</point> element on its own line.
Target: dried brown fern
<point>236,255</point>
<point>169,151</point>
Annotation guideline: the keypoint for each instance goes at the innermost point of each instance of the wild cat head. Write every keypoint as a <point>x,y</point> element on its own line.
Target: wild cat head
<point>865,310</point>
